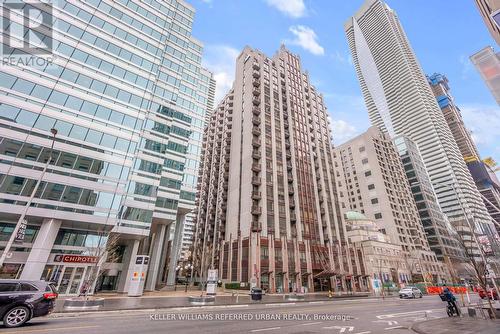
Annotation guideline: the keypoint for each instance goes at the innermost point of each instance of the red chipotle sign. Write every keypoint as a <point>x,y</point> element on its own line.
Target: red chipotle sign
<point>75,259</point>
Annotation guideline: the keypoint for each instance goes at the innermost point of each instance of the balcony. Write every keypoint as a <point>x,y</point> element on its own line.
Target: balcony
<point>256,83</point>
<point>256,74</point>
<point>293,217</point>
<point>256,66</point>
<point>256,120</point>
<point>256,101</point>
<point>256,181</point>
<point>256,226</point>
<point>256,154</point>
<point>256,131</point>
<point>256,195</point>
<point>256,210</point>
<point>256,167</point>
<point>292,205</point>
<point>291,191</point>
<point>256,92</point>
<point>289,166</point>
<point>256,111</point>
<point>256,142</point>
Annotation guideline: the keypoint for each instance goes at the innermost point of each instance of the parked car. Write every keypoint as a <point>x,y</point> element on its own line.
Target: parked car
<point>22,300</point>
<point>410,292</point>
<point>492,293</point>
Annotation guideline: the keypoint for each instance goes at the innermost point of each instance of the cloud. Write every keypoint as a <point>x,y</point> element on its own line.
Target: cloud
<point>342,58</point>
<point>466,66</point>
<point>306,38</point>
<point>292,8</point>
<point>484,133</point>
<point>221,60</point>
<point>342,131</point>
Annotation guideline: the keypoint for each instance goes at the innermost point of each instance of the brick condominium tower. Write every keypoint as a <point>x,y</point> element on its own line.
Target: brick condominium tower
<point>268,213</point>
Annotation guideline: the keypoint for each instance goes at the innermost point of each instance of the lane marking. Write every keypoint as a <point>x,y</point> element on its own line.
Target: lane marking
<point>402,314</point>
<point>50,329</point>
<point>395,327</point>
<point>389,322</point>
<point>320,302</point>
<point>280,304</point>
<point>311,323</point>
<point>341,329</point>
<point>264,329</point>
<point>367,332</point>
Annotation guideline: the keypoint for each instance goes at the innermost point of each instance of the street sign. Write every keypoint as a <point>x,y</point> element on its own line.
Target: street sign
<point>21,232</point>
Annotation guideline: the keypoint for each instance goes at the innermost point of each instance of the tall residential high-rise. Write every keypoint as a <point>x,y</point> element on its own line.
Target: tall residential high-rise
<point>128,97</point>
<point>482,174</point>
<point>372,180</point>
<point>453,116</point>
<point>487,63</point>
<point>490,11</point>
<point>440,234</point>
<point>268,211</point>
<point>400,101</point>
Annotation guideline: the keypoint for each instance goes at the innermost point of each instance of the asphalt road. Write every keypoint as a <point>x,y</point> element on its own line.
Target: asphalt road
<point>356,316</point>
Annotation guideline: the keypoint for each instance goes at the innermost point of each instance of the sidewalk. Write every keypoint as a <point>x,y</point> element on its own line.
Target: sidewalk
<point>170,299</point>
<point>454,325</point>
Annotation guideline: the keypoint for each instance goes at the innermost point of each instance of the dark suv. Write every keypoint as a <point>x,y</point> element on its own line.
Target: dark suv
<point>22,300</point>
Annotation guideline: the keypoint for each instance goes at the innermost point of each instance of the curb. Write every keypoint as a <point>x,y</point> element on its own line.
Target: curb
<point>61,314</point>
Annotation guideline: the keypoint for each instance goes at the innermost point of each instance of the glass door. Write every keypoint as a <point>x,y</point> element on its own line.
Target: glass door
<point>74,287</point>
<point>65,280</point>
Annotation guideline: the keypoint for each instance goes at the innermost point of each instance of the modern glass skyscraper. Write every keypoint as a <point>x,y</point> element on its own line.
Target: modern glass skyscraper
<point>128,96</point>
<point>400,101</point>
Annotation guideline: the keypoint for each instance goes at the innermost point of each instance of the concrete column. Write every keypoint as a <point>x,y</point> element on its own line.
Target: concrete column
<point>129,262</point>
<point>176,249</point>
<point>155,257</point>
<point>40,251</point>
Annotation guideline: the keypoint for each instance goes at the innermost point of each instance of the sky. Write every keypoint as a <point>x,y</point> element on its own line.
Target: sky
<point>443,34</point>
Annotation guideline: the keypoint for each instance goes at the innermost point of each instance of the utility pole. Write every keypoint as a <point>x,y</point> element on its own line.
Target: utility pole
<point>28,204</point>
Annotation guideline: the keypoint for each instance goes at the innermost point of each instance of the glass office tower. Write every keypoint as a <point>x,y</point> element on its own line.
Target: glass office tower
<point>128,96</point>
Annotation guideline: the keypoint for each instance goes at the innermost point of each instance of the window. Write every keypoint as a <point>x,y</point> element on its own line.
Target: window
<point>368,173</point>
<point>364,161</point>
<point>27,287</point>
<point>378,216</point>
<point>8,287</point>
<point>371,186</point>
<point>362,149</point>
<point>374,200</point>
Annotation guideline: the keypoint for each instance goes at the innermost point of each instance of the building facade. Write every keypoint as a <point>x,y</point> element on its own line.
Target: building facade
<point>489,10</point>
<point>440,234</point>
<point>400,101</point>
<point>268,213</point>
<point>128,97</point>
<point>383,260</point>
<point>453,116</point>
<point>371,179</point>
<point>487,63</point>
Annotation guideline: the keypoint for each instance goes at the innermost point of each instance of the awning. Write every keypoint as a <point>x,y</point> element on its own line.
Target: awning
<point>325,273</point>
<point>281,273</point>
<point>266,272</point>
<point>306,274</point>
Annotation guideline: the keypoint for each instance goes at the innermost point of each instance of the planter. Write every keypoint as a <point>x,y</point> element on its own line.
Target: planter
<point>205,300</point>
<point>77,304</point>
<point>295,297</point>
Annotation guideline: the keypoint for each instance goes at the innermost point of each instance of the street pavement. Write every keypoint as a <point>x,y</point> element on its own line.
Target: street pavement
<point>346,316</point>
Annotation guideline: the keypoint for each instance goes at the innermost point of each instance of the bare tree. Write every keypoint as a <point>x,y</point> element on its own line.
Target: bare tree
<point>476,267</point>
<point>104,250</point>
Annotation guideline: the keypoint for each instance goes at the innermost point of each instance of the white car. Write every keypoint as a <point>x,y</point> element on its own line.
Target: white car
<point>410,292</point>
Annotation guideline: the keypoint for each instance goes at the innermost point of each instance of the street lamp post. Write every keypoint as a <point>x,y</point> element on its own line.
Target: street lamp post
<point>28,204</point>
<point>187,267</point>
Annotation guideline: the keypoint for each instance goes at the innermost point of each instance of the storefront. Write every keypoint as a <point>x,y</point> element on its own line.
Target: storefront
<point>69,272</point>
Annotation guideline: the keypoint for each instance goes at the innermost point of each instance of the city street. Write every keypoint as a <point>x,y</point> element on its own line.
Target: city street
<point>350,316</point>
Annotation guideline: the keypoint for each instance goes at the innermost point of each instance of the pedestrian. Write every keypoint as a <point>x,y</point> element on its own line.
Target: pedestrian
<point>450,298</point>
<point>83,289</point>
